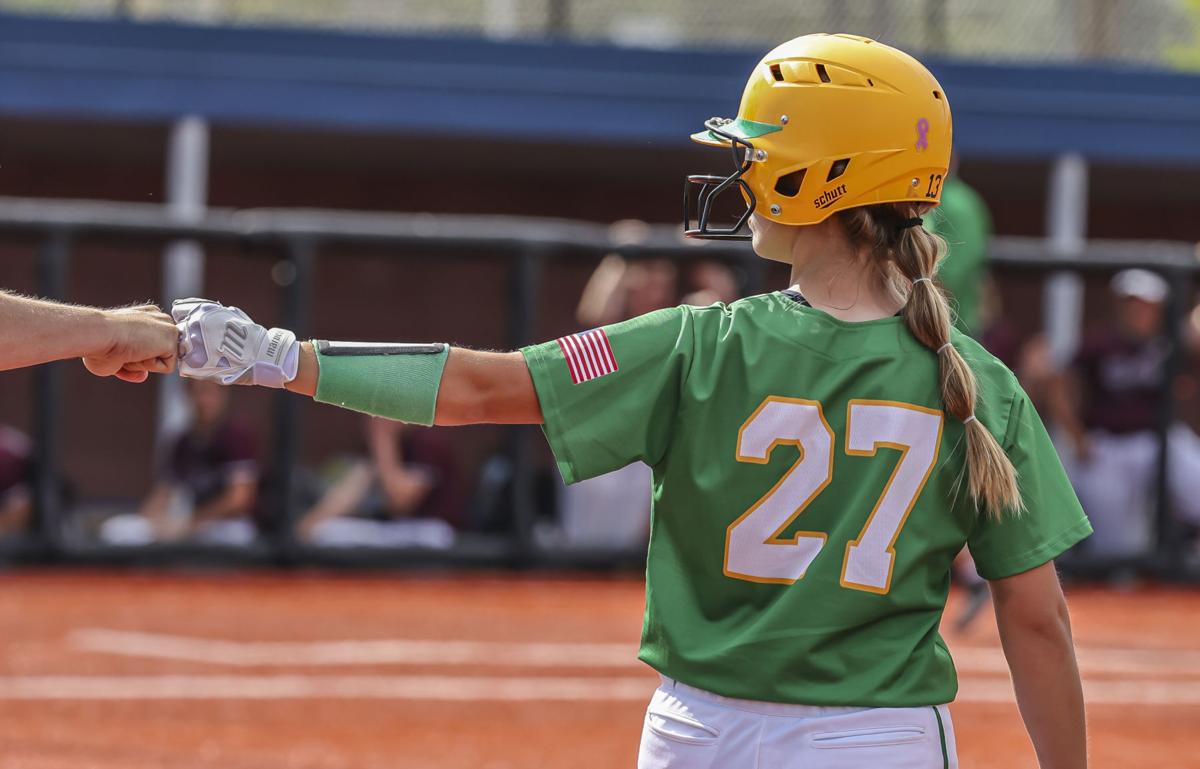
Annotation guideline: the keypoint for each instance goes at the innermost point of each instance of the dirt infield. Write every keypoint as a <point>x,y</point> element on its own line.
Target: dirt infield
<point>299,671</point>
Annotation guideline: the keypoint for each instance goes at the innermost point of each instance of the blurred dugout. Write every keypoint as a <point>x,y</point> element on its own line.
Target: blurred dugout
<point>95,107</point>
<point>1108,407</point>
<point>206,480</point>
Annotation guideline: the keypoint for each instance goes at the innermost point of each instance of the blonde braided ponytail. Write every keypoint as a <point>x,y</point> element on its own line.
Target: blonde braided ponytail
<point>913,253</point>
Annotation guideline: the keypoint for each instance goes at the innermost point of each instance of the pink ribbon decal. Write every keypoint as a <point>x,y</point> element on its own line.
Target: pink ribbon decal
<point>922,134</point>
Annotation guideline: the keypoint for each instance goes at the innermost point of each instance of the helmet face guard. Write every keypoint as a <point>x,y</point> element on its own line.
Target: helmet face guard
<point>709,188</point>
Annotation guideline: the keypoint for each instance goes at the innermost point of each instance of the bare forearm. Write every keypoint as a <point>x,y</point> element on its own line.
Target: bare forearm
<point>404,491</point>
<point>34,331</point>
<point>339,500</point>
<point>308,372</point>
<point>155,504</point>
<point>1035,631</point>
<point>1062,404</point>
<point>404,488</point>
<point>1049,695</point>
<point>234,502</point>
<point>487,388</point>
<point>15,511</point>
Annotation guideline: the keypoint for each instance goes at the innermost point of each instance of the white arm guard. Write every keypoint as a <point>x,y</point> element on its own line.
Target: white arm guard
<point>221,344</point>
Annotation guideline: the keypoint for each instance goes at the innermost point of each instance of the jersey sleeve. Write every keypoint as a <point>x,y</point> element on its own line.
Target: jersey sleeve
<point>609,396</point>
<point>1053,520</point>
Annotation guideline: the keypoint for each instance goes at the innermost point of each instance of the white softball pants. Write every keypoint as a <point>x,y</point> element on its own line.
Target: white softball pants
<point>689,728</point>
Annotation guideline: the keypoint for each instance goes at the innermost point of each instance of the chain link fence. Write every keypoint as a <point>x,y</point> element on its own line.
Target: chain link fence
<point>1163,33</point>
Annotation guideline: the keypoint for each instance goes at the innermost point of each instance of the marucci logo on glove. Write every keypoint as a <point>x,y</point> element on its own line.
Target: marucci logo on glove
<point>589,355</point>
<point>234,341</point>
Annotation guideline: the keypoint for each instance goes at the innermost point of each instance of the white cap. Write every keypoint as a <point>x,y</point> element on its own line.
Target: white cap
<point>1140,284</point>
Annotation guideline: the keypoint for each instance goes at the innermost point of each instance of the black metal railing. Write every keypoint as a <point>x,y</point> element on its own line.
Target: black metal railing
<point>298,236</point>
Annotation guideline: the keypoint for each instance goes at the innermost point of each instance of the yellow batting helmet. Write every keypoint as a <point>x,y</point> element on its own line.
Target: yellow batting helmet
<point>827,122</point>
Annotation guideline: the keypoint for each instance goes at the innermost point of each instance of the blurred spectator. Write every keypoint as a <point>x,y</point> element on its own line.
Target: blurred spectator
<point>711,281</point>
<point>1029,359</point>
<point>997,333</point>
<point>1108,409</point>
<point>619,290</point>
<point>16,498</point>
<point>208,481</point>
<point>406,493</point>
<point>963,220</point>
<point>613,510</point>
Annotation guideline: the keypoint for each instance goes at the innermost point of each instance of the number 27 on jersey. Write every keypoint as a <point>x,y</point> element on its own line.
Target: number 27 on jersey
<point>754,547</point>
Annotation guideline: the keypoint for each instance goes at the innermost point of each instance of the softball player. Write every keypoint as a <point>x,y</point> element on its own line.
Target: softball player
<point>820,454</point>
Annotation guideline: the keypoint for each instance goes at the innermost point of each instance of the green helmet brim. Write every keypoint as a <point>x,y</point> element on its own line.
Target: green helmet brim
<point>739,127</point>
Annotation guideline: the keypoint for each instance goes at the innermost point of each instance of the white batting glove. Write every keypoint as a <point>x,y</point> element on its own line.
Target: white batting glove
<point>221,344</point>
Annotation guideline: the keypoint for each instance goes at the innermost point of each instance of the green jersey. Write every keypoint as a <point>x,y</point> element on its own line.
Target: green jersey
<point>807,492</point>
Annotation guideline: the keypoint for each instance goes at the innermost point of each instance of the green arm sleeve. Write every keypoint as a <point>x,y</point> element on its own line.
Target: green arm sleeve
<point>398,382</point>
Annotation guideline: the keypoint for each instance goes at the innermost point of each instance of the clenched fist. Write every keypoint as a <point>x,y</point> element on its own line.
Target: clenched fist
<point>139,341</point>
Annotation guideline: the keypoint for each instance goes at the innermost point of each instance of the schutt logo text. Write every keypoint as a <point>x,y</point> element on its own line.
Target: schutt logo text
<point>829,197</point>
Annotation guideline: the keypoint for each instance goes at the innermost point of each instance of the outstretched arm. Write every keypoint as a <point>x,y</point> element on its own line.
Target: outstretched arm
<point>626,411</point>
<point>476,388</point>
<point>1035,631</point>
<point>421,383</point>
<point>34,331</point>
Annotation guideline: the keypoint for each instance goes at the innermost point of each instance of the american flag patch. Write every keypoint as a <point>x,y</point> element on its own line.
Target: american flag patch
<point>589,355</point>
